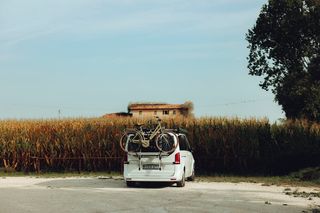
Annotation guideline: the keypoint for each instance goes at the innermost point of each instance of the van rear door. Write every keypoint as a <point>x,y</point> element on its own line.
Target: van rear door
<point>150,163</point>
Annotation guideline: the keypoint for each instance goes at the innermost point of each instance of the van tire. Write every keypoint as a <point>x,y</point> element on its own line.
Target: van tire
<point>182,183</point>
<point>130,183</point>
<point>192,177</point>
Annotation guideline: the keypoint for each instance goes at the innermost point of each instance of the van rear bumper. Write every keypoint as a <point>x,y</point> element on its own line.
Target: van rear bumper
<point>173,180</point>
<point>156,178</point>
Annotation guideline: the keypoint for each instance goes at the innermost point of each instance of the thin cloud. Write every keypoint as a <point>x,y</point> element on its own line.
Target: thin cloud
<point>90,19</point>
<point>6,57</point>
<point>30,36</point>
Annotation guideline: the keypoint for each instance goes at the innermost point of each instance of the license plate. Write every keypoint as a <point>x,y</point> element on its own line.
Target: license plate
<point>150,166</point>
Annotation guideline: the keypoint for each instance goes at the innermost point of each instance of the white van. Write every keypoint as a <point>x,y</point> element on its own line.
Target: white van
<point>150,165</point>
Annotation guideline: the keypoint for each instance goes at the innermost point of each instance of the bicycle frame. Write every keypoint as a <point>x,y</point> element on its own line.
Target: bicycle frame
<point>156,131</point>
<point>143,137</point>
<point>146,142</point>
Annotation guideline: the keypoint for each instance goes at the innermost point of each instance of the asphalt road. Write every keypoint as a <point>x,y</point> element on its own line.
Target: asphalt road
<point>97,195</point>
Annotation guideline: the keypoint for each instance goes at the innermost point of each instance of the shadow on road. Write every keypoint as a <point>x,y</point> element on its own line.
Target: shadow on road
<point>152,185</point>
<point>84,183</point>
<point>98,183</point>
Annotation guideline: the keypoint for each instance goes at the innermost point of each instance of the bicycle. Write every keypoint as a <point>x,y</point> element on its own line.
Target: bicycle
<point>133,139</point>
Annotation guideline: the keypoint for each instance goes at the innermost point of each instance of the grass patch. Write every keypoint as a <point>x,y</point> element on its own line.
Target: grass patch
<point>308,174</point>
<point>59,174</point>
<point>265,181</point>
<point>304,194</point>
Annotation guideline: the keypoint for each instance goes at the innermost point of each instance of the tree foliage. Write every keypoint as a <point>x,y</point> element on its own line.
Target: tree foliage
<point>285,50</point>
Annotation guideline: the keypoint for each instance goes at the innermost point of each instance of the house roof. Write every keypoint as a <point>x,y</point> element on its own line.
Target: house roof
<point>144,106</point>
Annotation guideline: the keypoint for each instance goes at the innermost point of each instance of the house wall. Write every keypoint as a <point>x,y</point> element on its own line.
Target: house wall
<point>155,112</point>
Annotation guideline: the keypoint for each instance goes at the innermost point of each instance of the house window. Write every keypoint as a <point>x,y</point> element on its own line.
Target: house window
<point>174,112</point>
<point>140,112</point>
<point>165,112</point>
<point>155,112</point>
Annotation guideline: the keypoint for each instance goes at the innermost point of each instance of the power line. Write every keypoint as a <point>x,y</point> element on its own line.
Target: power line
<point>234,103</point>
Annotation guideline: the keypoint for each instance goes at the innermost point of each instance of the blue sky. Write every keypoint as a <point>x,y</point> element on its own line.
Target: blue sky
<point>91,57</point>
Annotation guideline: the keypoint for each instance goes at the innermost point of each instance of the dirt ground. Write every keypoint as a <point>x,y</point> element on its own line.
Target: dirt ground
<point>97,195</point>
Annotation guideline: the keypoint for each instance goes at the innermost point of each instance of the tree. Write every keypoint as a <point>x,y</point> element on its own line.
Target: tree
<point>189,105</point>
<point>285,50</point>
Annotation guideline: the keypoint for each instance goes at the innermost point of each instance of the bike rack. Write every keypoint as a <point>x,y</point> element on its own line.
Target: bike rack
<point>139,155</point>
<point>160,161</point>
<point>140,164</point>
<point>151,134</point>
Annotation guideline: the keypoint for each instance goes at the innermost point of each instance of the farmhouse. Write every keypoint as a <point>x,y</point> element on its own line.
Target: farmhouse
<point>161,110</point>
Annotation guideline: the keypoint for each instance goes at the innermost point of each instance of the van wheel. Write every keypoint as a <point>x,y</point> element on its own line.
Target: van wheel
<point>192,177</point>
<point>130,183</point>
<point>182,183</point>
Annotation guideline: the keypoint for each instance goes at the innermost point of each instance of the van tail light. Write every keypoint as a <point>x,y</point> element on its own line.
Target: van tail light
<point>177,158</point>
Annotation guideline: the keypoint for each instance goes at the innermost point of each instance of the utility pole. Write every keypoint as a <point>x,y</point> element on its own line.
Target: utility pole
<point>59,114</point>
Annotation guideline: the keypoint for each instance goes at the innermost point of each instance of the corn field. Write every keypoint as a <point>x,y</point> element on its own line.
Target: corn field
<point>220,145</point>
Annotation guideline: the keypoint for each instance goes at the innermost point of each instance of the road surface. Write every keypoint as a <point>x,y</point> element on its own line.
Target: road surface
<point>98,195</point>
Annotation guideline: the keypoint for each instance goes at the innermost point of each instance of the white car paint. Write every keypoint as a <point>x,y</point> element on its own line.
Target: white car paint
<point>166,167</point>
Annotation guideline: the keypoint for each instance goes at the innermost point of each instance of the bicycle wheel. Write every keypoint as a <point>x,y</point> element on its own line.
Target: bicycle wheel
<point>131,141</point>
<point>165,142</point>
